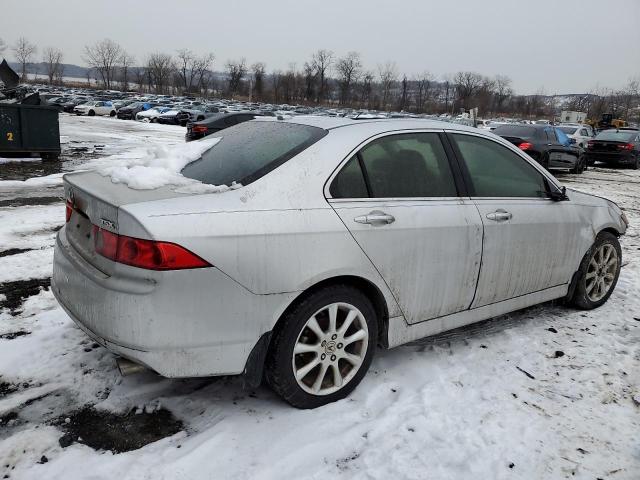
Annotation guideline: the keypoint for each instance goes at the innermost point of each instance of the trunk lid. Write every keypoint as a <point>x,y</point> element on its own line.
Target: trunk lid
<point>609,146</point>
<point>96,201</point>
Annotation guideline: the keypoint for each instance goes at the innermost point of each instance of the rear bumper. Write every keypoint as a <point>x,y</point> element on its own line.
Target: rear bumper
<point>180,324</point>
<point>605,157</point>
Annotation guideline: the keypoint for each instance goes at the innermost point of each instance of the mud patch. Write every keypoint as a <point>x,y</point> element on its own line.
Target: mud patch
<point>13,251</point>
<point>16,292</point>
<point>118,433</point>
<point>28,201</point>
<point>12,335</point>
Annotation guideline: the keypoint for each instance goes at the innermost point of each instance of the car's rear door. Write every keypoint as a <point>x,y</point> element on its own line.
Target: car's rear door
<point>531,242</point>
<point>399,198</point>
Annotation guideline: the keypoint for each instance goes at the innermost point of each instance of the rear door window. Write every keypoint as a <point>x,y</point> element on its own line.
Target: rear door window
<point>250,150</point>
<point>397,166</point>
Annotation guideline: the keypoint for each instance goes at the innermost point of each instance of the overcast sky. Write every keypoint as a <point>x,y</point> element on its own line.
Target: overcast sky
<point>559,46</point>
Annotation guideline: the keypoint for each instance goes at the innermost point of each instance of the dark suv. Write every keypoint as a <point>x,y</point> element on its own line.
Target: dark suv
<point>546,144</point>
<point>216,123</point>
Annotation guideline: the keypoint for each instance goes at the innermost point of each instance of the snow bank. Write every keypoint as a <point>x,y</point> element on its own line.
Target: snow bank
<point>161,167</point>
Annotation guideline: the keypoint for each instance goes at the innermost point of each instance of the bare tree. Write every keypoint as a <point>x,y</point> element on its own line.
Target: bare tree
<point>52,58</point>
<point>24,51</point>
<point>192,69</point>
<point>103,57</point>
<point>467,85</point>
<point>388,74</point>
<point>126,62</point>
<point>236,70</point>
<point>160,69</point>
<point>310,76</point>
<point>348,68</point>
<point>366,87</point>
<point>503,91</point>
<point>424,88</point>
<point>321,62</point>
<point>258,70</point>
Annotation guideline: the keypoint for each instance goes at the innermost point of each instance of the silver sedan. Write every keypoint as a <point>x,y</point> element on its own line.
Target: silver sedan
<point>345,235</point>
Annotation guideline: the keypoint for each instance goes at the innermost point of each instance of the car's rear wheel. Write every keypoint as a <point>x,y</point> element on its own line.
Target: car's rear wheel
<point>598,272</point>
<point>112,113</point>
<point>91,113</point>
<point>323,347</point>
<point>580,166</point>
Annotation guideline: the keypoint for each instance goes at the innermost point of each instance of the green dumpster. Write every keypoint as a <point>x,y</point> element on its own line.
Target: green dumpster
<point>29,129</point>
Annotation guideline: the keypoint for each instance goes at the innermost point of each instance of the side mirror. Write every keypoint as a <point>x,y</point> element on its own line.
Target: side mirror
<point>558,195</point>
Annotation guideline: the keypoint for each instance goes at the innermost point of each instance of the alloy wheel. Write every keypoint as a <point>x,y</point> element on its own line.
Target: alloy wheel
<point>330,349</point>
<point>601,272</point>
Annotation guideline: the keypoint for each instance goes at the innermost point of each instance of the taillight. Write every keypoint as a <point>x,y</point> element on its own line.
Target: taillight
<point>626,146</point>
<point>525,146</point>
<point>69,210</point>
<point>200,129</point>
<point>148,254</point>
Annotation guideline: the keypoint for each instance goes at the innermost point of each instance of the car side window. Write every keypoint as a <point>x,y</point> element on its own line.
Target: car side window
<point>551,135</point>
<point>584,133</point>
<point>408,165</point>
<point>349,183</point>
<point>496,171</point>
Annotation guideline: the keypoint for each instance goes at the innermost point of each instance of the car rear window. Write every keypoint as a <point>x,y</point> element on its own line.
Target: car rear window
<point>515,131</point>
<point>616,136</point>
<point>569,130</point>
<point>250,150</point>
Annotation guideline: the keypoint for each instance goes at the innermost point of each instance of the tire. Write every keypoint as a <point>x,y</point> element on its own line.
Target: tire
<point>587,294</point>
<point>580,166</point>
<point>49,156</point>
<point>636,164</point>
<point>112,113</point>
<point>91,113</point>
<point>544,161</point>
<point>318,386</point>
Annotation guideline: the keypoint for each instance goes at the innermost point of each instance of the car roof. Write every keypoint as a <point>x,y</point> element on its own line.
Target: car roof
<point>377,125</point>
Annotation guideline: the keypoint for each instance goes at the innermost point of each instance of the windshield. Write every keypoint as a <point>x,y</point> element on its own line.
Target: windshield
<point>250,150</point>
<point>616,136</point>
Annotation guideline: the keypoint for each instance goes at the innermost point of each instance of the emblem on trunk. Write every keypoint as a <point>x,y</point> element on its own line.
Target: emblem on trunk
<point>108,224</point>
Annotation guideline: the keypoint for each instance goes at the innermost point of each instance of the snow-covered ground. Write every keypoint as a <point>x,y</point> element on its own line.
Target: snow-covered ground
<point>545,393</point>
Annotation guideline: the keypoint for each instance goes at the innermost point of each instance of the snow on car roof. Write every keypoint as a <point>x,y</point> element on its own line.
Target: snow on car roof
<point>385,124</point>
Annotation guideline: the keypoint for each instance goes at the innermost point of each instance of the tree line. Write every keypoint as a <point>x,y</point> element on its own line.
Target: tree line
<point>324,79</point>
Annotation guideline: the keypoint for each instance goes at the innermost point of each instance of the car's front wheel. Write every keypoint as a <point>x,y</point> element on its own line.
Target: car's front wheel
<point>598,272</point>
<point>323,347</point>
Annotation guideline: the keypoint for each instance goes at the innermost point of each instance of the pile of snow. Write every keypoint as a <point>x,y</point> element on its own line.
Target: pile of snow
<point>162,166</point>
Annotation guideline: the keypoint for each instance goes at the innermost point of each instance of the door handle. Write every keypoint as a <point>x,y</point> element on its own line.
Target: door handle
<point>499,215</point>
<point>375,218</point>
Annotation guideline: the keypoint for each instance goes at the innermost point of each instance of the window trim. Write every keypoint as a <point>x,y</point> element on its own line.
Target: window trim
<point>457,175</point>
<point>548,179</point>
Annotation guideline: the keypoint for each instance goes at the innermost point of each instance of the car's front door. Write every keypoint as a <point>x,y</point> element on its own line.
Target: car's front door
<point>398,198</point>
<point>531,242</point>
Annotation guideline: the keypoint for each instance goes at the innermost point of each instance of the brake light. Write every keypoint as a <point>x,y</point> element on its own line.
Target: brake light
<point>148,254</point>
<point>69,210</point>
<point>626,146</point>
<point>200,129</point>
<point>525,146</point>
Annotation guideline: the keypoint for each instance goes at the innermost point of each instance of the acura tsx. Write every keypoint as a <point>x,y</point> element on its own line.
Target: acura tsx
<point>343,235</point>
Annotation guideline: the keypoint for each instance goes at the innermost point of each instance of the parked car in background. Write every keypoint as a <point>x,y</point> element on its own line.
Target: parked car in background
<point>581,134</point>
<point>70,103</point>
<point>128,112</point>
<point>615,147</point>
<point>195,114</point>
<point>152,114</point>
<point>96,107</point>
<point>289,270</point>
<point>216,123</point>
<point>170,117</point>
<point>546,144</point>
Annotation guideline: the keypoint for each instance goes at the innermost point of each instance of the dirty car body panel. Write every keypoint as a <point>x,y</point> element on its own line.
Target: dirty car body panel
<point>437,262</point>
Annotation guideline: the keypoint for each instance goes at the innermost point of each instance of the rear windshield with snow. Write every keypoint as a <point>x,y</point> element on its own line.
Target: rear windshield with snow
<point>250,150</point>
